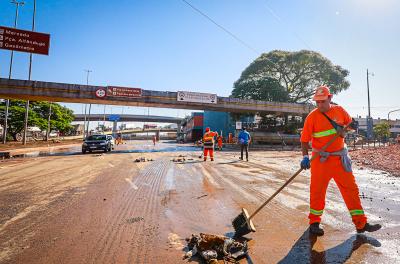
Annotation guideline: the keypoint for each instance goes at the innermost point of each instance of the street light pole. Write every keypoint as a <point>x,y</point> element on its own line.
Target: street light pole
<point>392,112</point>
<point>369,106</point>
<point>29,78</point>
<point>369,119</point>
<point>90,105</point>
<point>17,4</point>
<point>48,123</point>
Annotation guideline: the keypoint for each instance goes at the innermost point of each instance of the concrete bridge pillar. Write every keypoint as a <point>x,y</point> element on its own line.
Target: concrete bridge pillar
<point>114,129</point>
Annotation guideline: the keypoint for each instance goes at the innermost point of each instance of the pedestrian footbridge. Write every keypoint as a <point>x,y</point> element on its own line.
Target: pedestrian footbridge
<point>77,93</point>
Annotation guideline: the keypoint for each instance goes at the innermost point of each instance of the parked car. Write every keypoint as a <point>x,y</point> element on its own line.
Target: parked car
<point>96,142</point>
<point>112,140</point>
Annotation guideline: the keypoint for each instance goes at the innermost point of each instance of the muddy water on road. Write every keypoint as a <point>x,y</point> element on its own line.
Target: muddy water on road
<point>109,209</point>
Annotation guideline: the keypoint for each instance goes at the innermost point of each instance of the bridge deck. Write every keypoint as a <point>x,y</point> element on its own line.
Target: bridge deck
<point>75,93</point>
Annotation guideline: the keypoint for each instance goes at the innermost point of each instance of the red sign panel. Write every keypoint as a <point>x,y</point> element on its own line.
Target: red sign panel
<point>23,40</point>
<point>116,91</point>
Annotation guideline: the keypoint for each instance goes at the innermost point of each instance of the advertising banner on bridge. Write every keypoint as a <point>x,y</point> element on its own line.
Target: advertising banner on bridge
<point>206,98</point>
<point>116,91</point>
<point>23,40</point>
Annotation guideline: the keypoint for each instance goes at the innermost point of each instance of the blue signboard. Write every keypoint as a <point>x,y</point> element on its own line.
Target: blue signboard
<point>113,117</point>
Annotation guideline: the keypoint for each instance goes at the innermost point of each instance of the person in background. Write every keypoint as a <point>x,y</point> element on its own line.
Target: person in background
<point>154,140</point>
<point>208,143</point>
<point>244,141</point>
<point>118,140</point>
<point>219,141</point>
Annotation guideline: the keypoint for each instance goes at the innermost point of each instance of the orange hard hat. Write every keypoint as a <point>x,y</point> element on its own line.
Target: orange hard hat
<point>322,93</point>
<point>207,129</point>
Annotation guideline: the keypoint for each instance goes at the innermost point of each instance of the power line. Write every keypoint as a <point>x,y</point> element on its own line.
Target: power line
<point>221,27</point>
<point>280,20</point>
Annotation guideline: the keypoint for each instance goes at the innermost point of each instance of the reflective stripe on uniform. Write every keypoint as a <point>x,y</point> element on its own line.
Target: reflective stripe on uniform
<point>324,133</point>
<point>316,212</point>
<point>357,212</point>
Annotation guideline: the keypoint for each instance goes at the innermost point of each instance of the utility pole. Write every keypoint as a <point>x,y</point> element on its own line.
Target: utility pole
<point>48,123</point>
<point>104,118</point>
<point>29,78</point>
<point>17,4</point>
<point>369,118</point>
<point>90,106</point>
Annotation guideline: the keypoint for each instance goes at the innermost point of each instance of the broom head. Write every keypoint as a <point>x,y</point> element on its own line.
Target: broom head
<point>242,224</point>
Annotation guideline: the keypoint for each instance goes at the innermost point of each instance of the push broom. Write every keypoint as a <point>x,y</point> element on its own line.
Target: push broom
<point>243,224</point>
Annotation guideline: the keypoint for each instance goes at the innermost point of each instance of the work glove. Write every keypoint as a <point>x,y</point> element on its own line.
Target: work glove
<point>305,163</point>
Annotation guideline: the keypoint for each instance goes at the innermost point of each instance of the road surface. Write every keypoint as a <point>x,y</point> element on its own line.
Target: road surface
<point>107,208</point>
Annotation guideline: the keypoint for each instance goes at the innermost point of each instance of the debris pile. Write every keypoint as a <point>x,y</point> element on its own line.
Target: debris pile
<point>180,158</point>
<point>5,155</point>
<point>382,158</point>
<point>142,159</point>
<point>213,247</point>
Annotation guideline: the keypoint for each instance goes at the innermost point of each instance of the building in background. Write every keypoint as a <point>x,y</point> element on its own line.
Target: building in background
<point>220,122</point>
<point>193,127</point>
<point>394,125</point>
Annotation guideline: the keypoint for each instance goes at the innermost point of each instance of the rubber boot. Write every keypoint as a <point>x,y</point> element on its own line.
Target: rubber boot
<point>369,228</point>
<point>316,230</point>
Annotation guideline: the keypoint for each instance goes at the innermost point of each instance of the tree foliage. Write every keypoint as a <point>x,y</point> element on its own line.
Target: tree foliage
<point>382,130</point>
<point>285,76</point>
<point>61,117</point>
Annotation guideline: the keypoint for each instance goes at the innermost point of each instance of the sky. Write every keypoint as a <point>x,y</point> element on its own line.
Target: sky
<point>167,45</point>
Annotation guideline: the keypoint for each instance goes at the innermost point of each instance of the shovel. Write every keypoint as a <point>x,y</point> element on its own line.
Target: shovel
<point>243,224</point>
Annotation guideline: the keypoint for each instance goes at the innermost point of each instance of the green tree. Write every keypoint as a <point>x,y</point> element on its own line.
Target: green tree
<point>285,76</point>
<point>61,117</point>
<point>382,130</point>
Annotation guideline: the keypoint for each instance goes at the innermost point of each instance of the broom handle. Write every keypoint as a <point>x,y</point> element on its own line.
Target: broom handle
<point>297,173</point>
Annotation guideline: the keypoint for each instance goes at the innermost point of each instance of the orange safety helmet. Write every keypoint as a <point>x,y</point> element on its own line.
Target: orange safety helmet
<point>207,129</point>
<point>322,93</point>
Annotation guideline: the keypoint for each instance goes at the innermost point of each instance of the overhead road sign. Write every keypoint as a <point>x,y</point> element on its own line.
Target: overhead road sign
<point>113,117</point>
<point>116,91</point>
<point>25,41</point>
<point>194,97</point>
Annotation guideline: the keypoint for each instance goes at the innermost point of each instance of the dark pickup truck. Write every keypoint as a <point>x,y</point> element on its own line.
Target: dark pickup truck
<point>96,142</point>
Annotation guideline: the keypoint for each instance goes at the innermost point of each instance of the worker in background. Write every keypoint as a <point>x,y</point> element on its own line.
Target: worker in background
<point>244,141</point>
<point>154,140</point>
<point>208,143</point>
<point>320,126</point>
<point>219,142</point>
<point>119,139</point>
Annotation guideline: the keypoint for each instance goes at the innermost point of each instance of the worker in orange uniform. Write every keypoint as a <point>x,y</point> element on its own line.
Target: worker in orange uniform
<point>208,143</point>
<point>154,140</point>
<point>320,126</point>
<point>219,142</point>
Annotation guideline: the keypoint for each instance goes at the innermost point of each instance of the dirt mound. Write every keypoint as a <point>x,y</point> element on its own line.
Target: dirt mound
<point>382,158</point>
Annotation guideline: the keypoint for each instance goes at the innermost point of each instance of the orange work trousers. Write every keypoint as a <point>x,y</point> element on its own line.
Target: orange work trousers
<point>321,174</point>
<point>206,151</point>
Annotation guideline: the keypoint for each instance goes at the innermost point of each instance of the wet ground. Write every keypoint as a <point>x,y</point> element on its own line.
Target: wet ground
<point>107,208</point>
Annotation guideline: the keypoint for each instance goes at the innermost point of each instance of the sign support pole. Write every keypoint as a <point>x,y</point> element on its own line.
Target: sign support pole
<point>17,4</point>
<point>29,78</point>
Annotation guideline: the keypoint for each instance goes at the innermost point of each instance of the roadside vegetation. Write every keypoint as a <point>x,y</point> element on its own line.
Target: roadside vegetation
<point>60,119</point>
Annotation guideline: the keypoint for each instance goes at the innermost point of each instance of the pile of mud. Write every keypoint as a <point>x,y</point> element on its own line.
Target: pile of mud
<point>382,158</point>
<point>211,248</point>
